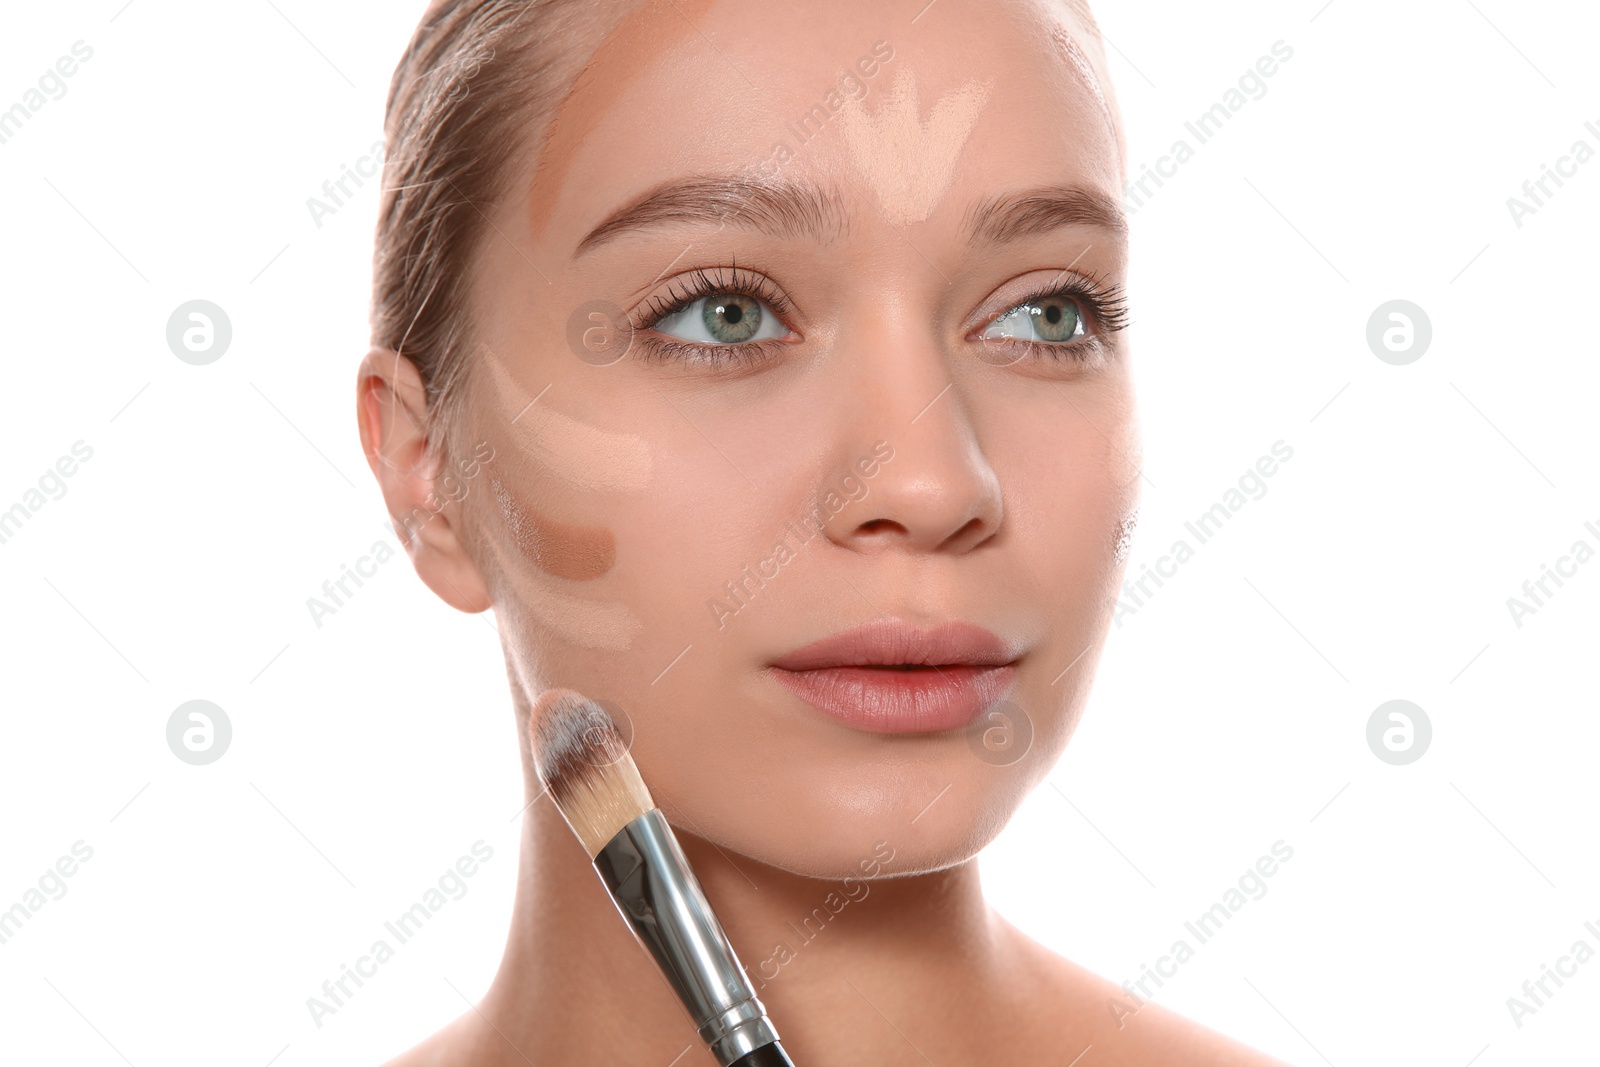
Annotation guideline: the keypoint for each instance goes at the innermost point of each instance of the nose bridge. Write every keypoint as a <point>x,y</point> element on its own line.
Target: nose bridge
<point>932,487</point>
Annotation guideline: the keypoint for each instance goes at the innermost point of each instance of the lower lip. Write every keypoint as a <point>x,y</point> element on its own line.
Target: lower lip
<point>885,700</point>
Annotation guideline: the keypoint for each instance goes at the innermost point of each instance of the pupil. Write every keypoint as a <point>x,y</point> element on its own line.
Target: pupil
<point>1052,315</point>
<point>733,314</point>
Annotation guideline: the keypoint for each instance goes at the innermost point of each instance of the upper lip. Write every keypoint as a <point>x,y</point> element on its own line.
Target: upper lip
<point>891,642</point>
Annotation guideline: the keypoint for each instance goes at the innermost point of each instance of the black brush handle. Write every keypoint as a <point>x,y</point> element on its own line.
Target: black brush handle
<point>766,1056</point>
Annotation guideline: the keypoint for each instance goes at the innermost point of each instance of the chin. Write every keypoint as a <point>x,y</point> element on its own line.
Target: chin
<point>925,808</point>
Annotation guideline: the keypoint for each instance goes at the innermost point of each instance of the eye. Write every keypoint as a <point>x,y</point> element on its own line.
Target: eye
<point>722,319</point>
<point>716,318</point>
<point>1055,318</point>
<point>1072,322</point>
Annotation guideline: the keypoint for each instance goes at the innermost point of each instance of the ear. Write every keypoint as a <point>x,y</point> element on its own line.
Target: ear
<point>391,409</point>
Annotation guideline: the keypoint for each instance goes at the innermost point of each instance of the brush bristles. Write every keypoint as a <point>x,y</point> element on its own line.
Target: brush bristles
<point>584,763</point>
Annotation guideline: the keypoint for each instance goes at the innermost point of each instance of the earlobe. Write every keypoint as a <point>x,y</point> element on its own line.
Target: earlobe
<point>392,413</point>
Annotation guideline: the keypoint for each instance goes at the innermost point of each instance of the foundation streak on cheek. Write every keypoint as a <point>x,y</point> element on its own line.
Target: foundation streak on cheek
<point>583,455</point>
<point>655,28</point>
<point>590,623</point>
<point>580,553</point>
<point>909,163</point>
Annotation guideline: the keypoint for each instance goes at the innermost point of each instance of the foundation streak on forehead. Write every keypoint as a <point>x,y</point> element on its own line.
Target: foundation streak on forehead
<point>1085,71</point>
<point>591,623</point>
<point>654,28</point>
<point>908,162</point>
<point>582,455</point>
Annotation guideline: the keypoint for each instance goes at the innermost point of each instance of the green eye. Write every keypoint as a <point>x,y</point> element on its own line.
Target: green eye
<point>731,318</point>
<point>1049,318</point>
<point>1056,319</point>
<point>722,319</point>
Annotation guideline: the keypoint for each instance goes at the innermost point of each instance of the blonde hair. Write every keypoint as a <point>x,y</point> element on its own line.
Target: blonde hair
<point>469,100</point>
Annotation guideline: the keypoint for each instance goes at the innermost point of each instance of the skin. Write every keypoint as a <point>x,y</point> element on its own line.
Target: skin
<point>1010,484</point>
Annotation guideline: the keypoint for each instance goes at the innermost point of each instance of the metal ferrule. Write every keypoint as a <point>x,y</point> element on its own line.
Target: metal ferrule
<point>651,882</point>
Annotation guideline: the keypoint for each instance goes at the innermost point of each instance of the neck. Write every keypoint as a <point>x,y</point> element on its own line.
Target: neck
<point>575,986</point>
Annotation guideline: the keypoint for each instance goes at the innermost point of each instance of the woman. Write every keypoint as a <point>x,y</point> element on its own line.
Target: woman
<point>762,365</point>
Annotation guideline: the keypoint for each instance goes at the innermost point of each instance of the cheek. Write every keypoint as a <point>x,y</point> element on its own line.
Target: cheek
<point>721,521</point>
<point>559,485</point>
<point>1071,483</point>
<point>1071,486</point>
<point>543,621</point>
<point>563,449</point>
<point>560,549</point>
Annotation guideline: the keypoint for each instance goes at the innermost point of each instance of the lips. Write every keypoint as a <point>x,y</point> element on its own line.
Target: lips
<point>892,677</point>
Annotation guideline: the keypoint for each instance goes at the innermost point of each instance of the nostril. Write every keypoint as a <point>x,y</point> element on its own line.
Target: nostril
<point>873,526</point>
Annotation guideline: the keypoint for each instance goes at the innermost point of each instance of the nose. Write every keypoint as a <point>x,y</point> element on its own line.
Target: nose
<point>931,488</point>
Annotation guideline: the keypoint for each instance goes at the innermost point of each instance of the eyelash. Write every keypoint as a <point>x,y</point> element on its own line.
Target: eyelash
<point>701,283</point>
<point>1106,307</point>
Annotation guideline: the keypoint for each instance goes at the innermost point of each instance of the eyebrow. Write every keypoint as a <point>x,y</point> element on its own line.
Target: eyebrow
<point>1010,216</point>
<point>782,209</point>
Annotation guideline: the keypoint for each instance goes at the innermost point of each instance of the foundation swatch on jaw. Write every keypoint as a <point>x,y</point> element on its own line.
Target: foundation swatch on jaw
<point>1122,537</point>
<point>561,549</point>
<point>590,623</point>
<point>907,161</point>
<point>572,450</point>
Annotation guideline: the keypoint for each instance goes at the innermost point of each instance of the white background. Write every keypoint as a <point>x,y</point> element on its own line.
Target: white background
<point>1230,711</point>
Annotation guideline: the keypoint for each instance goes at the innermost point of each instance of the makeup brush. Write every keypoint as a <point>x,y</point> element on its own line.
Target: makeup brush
<point>585,766</point>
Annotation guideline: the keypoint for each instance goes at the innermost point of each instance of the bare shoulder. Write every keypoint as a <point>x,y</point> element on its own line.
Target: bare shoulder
<point>1111,1028</point>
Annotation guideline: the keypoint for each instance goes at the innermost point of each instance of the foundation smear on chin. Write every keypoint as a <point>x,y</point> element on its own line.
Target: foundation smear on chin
<point>909,163</point>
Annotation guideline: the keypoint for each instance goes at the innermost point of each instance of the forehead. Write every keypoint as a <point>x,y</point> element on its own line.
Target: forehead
<point>895,103</point>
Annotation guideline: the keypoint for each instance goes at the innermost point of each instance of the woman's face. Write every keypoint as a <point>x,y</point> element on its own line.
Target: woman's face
<point>829,415</point>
